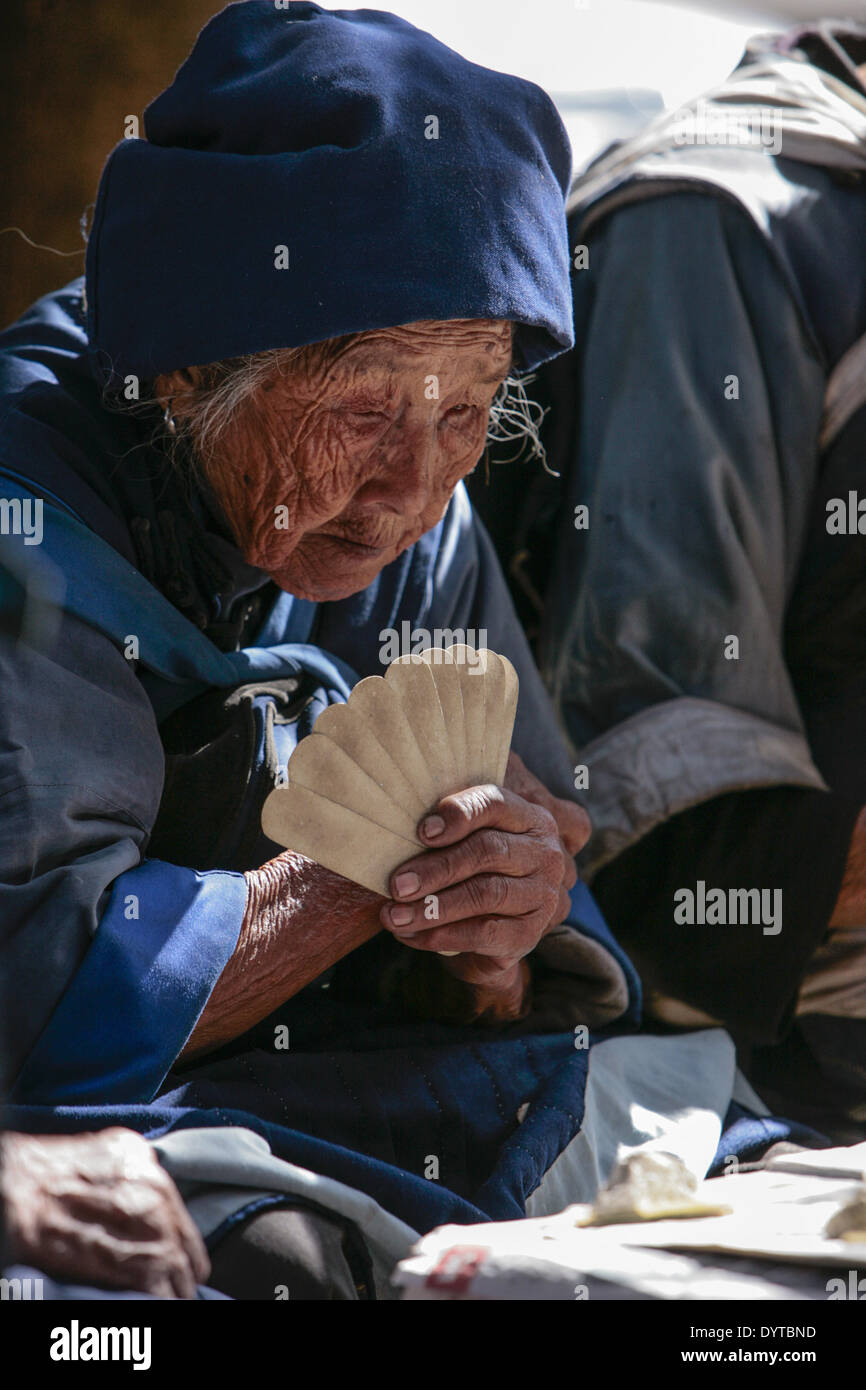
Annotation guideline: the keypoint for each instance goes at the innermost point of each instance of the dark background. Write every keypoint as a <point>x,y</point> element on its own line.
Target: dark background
<point>70,71</point>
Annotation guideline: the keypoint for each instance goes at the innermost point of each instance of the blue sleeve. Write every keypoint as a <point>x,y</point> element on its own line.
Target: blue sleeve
<point>161,946</point>
<point>107,959</point>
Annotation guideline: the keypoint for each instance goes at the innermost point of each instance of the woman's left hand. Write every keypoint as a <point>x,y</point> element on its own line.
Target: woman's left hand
<point>495,879</point>
<point>99,1209</point>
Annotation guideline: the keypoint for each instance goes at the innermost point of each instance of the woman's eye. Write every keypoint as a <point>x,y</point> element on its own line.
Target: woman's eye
<point>461,414</point>
<point>363,419</point>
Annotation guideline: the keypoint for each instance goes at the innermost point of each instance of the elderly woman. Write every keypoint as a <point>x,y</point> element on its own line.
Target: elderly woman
<point>307,291</point>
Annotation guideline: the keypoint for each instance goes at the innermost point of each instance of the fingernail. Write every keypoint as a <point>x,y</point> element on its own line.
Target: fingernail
<point>401,916</point>
<point>433,826</point>
<point>404,884</point>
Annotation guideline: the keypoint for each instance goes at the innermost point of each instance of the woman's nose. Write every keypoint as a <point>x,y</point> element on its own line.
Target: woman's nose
<point>406,464</point>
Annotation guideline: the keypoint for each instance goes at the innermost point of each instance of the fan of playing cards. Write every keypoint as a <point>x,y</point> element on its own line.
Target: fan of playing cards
<point>362,780</point>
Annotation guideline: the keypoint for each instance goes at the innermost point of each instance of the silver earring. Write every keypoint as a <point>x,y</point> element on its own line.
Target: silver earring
<point>168,418</point>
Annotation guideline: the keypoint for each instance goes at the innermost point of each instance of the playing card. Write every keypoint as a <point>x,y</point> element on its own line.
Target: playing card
<point>413,679</point>
<point>381,705</point>
<point>509,712</point>
<point>446,676</point>
<point>322,766</point>
<point>472,667</point>
<point>351,730</point>
<point>335,836</point>
<point>362,780</point>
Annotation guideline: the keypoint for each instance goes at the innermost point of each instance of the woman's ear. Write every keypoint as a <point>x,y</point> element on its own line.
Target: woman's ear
<point>169,385</point>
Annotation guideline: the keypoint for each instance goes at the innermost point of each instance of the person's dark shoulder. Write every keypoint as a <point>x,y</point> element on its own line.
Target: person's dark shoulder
<point>810,219</point>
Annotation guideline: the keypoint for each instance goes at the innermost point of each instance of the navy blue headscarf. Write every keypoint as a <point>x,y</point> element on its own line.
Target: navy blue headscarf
<point>404,183</point>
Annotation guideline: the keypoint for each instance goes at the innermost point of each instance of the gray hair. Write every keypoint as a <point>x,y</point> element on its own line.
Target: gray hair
<point>515,416</point>
<point>205,414</point>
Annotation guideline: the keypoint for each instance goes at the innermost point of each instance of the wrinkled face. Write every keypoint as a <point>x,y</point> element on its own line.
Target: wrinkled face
<point>343,460</point>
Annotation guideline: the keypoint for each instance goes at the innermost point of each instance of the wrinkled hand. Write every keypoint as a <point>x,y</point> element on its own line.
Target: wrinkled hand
<point>495,880</point>
<point>99,1209</point>
<point>572,821</point>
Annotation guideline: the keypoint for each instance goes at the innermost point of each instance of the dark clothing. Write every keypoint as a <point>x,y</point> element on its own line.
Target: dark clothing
<point>781,836</point>
<point>290,1252</point>
<point>723,288</point>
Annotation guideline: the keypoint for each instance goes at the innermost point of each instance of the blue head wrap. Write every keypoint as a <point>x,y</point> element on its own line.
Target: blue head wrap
<point>311,173</point>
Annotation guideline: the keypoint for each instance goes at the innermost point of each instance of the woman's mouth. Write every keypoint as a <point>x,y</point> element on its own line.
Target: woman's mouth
<point>359,548</point>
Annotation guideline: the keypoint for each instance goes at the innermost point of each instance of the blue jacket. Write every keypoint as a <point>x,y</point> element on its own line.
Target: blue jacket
<point>110,956</point>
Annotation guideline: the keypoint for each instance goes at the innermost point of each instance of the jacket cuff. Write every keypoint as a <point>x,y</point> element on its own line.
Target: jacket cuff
<point>162,944</point>
<point>675,755</point>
